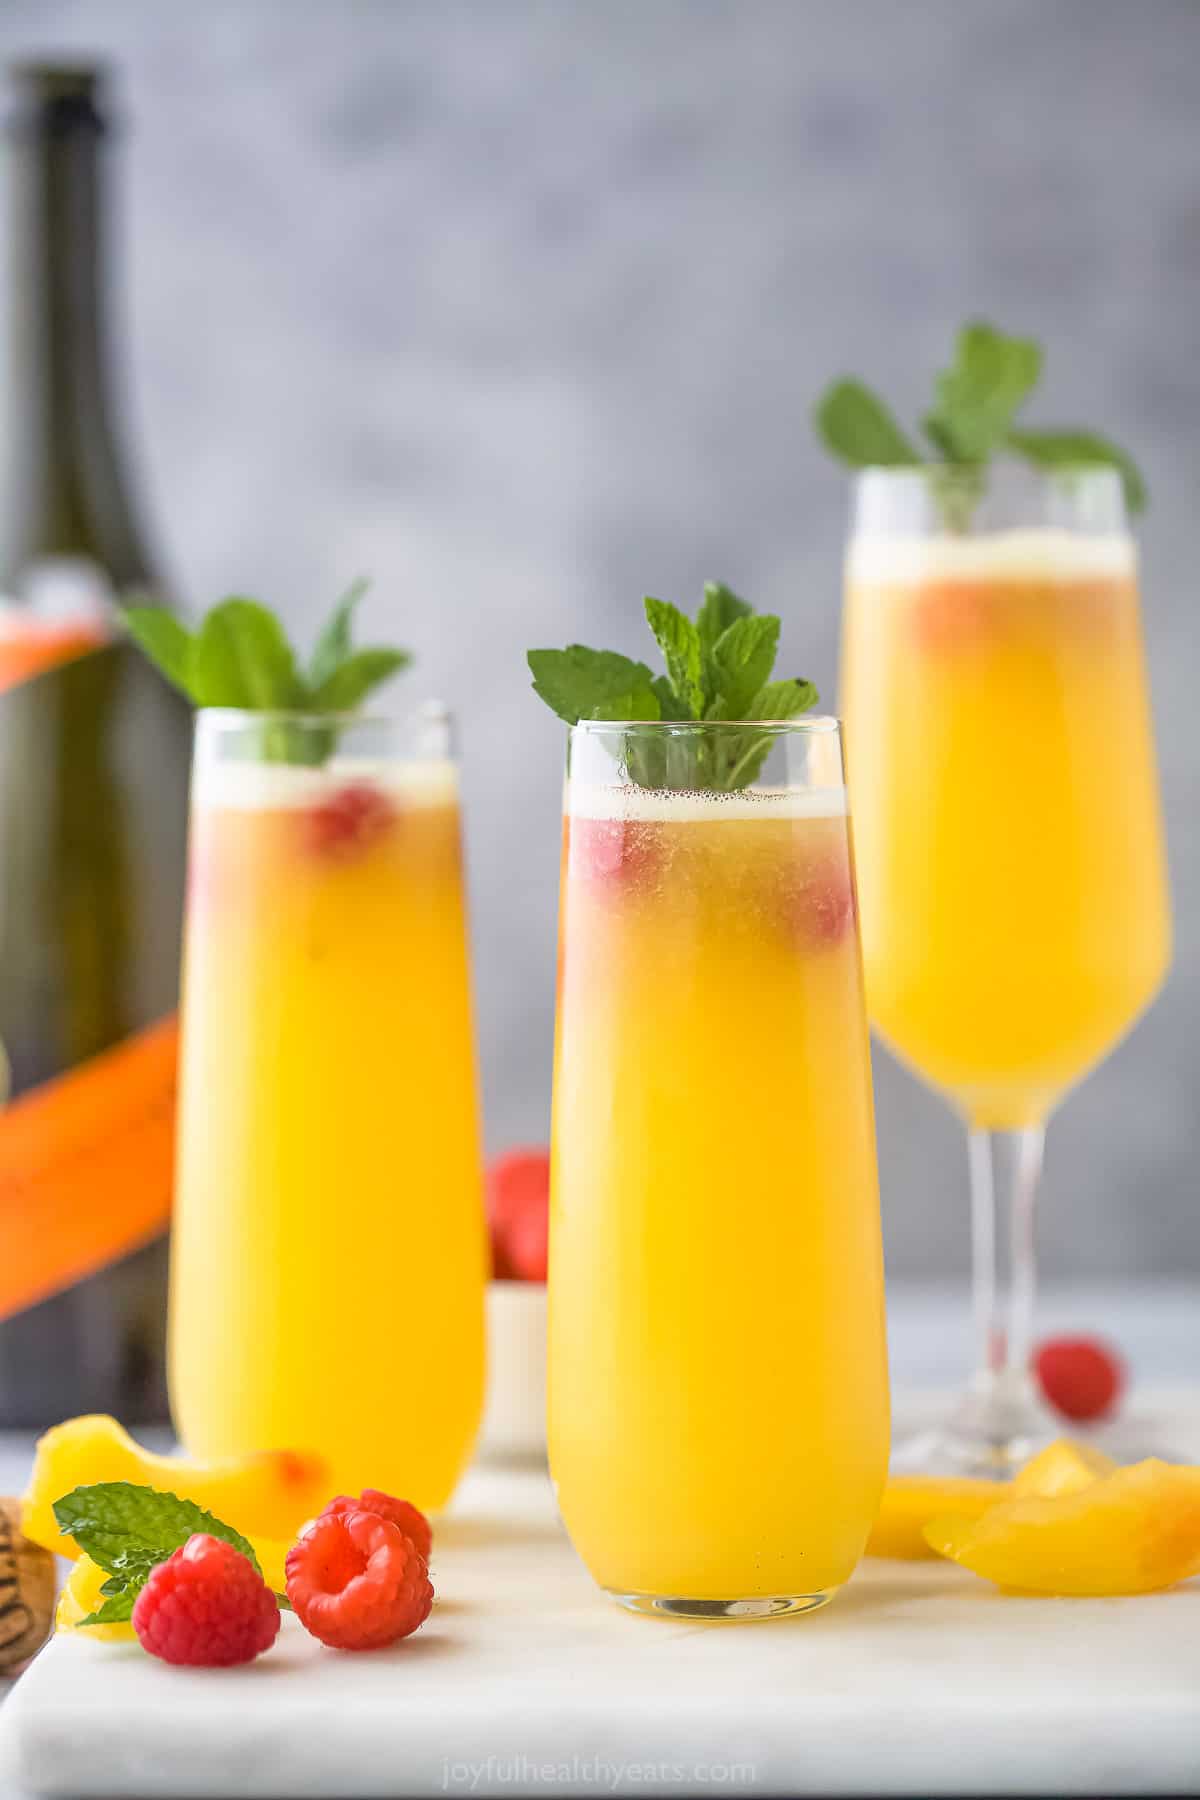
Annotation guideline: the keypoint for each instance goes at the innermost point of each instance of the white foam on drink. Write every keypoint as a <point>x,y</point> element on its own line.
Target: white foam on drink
<point>623,802</point>
<point>1037,554</point>
<point>279,787</point>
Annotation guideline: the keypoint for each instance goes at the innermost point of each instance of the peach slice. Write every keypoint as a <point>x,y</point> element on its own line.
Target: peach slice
<point>911,1501</point>
<point>81,1597</point>
<point>269,1495</point>
<point>1063,1467</point>
<point>1132,1532</point>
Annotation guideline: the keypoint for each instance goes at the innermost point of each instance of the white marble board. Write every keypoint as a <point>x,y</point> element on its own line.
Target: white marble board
<point>919,1679</point>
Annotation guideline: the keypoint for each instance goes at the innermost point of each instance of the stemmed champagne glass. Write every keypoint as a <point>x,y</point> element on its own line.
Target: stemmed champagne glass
<point>1009,845</point>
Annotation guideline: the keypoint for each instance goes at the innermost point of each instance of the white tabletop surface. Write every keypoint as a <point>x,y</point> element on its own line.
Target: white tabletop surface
<point>917,1680</point>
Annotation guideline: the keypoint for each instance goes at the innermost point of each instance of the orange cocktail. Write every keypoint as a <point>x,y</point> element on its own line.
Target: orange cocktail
<point>718,1391</point>
<point>328,1258</point>
<point>1007,825</point>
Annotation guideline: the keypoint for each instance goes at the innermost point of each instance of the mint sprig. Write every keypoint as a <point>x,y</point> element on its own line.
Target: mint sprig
<point>718,668</point>
<point>239,656</point>
<point>973,418</point>
<point>128,1530</point>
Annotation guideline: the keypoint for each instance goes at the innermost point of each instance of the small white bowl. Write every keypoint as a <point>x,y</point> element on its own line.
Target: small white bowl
<point>514,1416</point>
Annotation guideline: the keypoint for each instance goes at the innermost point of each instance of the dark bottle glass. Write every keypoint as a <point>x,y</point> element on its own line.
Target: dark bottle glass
<point>93,746</point>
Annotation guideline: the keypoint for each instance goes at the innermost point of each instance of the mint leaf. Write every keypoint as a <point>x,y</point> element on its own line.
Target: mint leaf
<point>957,488</point>
<point>242,658</point>
<point>578,683</point>
<point>333,646</point>
<point>350,683</point>
<point>724,660</point>
<point>976,401</point>
<point>720,607</point>
<point>777,702</point>
<point>977,397</point>
<point>127,1529</point>
<point>116,1610</point>
<point>742,659</point>
<point>160,636</point>
<point>679,641</point>
<point>669,706</point>
<point>1064,449</point>
<point>638,704</point>
<point>856,426</point>
<point>784,699</point>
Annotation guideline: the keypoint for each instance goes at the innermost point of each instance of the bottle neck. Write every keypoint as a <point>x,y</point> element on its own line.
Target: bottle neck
<point>70,496</point>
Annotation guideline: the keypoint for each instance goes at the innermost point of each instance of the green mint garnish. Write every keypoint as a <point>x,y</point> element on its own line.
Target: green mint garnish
<point>239,656</point>
<point>128,1530</point>
<point>972,419</point>
<point>1079,450</point>
<point>718,667</point>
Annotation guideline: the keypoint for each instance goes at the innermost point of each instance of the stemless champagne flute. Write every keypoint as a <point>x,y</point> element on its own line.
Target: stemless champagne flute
<point>718,1408</point>
<point>328,1257</point>
<point>1014,895</point>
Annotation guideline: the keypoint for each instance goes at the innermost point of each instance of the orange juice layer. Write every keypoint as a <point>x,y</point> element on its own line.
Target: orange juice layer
<point>328,1258</point>
<point>1006,823</point>
<point>718,1395</point>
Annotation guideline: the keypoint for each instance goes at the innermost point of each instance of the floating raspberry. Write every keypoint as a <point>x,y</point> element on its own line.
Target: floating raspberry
<point>829,913</point>
<point>403,1514</point>
<point>348,821</point>
<point>206,1606</point>
<point>615,852</point>
<point>356,1582</point>
<point>1081,1377</point>
<point>817,896</point>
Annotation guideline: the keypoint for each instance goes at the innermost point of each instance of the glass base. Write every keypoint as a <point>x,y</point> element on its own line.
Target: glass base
<point>998,1425</point>
<point>766,1606</point>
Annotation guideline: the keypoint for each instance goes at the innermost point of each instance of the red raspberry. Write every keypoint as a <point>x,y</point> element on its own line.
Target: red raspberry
<point>207,1605</point>
<point>949,618</point>
<point>614,852</point>
<point>529,1243</point>
<point>518,1207</point>
<point>402,1513</point>
<point>348,821</point>
<point>817,895</point>
<point>356,1582</point>
<point>1080,1376</point>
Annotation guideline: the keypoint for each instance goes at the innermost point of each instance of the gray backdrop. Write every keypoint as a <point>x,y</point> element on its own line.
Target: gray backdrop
<point>521,308</point>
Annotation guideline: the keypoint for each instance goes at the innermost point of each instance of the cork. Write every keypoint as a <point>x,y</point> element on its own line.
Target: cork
<point>27,1582</point>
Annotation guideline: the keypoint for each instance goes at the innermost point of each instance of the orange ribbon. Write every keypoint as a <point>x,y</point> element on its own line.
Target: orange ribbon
<point>86,1167</point>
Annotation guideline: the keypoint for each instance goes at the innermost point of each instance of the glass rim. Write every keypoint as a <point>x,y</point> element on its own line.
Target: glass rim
<point>1008,468</point>
<point>237,717</point>
<point>819,725</point>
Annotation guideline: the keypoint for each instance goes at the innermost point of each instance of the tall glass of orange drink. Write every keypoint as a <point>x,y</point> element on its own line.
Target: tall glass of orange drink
<point>718,1407</point>
<point>1010,851</point>
<point>328,1256</point>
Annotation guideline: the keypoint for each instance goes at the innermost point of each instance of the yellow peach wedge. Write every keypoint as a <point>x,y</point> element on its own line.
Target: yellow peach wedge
<point>1063,1467</point>
<point>81,1597</point>
<point>269,1495</point>
<point>911,1501</point>
<point>1132,1532</point>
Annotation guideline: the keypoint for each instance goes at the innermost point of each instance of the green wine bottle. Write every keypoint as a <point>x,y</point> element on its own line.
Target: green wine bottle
<point>93,783</point>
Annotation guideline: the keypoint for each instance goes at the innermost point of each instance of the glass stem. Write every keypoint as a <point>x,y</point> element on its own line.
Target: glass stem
<point>1001,1419</point>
